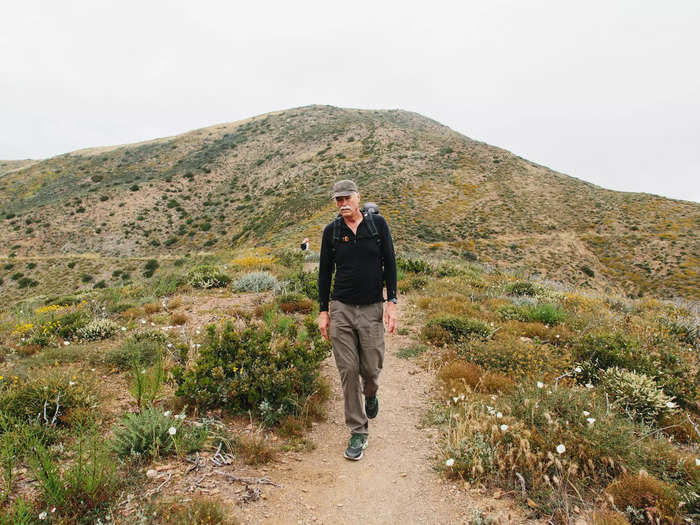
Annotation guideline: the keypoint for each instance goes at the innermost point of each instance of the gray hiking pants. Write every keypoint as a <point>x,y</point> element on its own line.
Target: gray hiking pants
<point>357,335</point>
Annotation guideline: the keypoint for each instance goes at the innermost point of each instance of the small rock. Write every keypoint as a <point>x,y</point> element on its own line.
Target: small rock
<point>151,473</point>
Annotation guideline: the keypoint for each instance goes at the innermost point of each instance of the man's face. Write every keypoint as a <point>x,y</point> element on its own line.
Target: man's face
<point>348,206</point>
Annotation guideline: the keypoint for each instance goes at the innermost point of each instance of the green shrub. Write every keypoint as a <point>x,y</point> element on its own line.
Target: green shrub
<point>266,370</point>
<point>461,327</point>
<point>146,434</point>
<point>71,323</point>
<point>414,265</point>
<point>134,350</point>
<point>86,278</point>
<point>522,288</point>
<point>542,313</point>
<point>638,394</point>
<point>303,282</point>
<point>26,282</point>
<point>255,282</point>
<point>153,433</point>
<point>150,267</point>
<point>47,397</point>
<point>207,276</point>
<point>167,284</point>
<point>97,329</point>
<point>196,511</point>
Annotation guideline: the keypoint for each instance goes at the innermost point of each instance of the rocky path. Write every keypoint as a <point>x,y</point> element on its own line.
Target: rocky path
<point>394,483</point>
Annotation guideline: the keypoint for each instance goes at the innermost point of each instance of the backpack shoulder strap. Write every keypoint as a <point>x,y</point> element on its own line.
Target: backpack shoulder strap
<point>336,232</point>
<point>367,214</point>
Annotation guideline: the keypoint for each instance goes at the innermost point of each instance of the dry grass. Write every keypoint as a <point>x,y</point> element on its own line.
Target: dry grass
<point>644,492</point>
<point>178,319</point>
<point>609,517</point>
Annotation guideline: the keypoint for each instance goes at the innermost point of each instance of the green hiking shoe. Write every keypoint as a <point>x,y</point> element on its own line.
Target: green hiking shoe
<point>371,407</point>
<point>358,442</point>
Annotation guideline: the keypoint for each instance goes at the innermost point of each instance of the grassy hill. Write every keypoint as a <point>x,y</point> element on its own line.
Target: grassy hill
<point>265,182</point>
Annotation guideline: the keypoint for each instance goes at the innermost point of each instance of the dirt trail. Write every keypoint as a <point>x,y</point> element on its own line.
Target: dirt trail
<point>393,483</point>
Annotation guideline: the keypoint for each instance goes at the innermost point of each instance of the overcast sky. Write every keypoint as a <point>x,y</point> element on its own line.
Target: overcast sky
<point>606,91</point>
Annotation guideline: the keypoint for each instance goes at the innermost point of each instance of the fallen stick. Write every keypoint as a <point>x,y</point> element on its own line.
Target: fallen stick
<point>247,481</point>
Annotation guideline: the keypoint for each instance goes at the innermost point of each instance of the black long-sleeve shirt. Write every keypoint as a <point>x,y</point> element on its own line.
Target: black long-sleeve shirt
<point>361,267</point>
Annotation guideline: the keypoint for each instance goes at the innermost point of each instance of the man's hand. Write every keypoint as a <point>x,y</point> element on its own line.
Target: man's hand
<point>324,323</point>
<point>390,317</point>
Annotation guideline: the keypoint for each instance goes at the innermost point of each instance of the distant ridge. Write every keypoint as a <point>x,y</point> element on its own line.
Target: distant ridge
<point>264,182</point>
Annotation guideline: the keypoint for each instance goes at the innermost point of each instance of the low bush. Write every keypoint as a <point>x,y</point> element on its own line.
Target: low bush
<point>153,433</point>
<point>414,265</point>
<point>97,329</point>
<point>255,282</point>
<point>516,358</point>
<point>197,511</point>
<point>302,282</point>
<point>638,394</point>
<point>520,288</point>
<point>131,351</point>
<point>295,302</point>
<point>269,370</point>
<point>544,313</point>
<point>460,327</point>
<point>207,276</point>
<point>49,397</point>
<point>644,497</point>
<point>150,267</point>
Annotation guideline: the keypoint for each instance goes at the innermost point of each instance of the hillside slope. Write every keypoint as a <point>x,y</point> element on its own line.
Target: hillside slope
<point>265,181</point>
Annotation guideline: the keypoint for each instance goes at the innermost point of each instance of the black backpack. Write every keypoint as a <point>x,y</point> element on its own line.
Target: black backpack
<point>369,210</point>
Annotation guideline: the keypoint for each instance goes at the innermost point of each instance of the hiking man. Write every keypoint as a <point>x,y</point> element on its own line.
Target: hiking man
<point>358,246</point>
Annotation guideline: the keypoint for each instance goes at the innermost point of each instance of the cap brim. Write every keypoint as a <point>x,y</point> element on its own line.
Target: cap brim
<point>342,194</point>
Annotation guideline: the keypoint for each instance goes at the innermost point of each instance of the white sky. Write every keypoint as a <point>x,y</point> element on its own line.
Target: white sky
<point>606,91</point>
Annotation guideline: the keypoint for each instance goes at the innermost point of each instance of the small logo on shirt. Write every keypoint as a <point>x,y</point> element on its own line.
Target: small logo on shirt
<point>346,238</point>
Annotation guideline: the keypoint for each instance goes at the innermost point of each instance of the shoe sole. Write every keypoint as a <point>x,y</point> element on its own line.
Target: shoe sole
<point>358,458</point>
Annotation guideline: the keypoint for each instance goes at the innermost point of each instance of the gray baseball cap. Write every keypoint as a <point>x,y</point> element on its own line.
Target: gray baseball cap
<point>343,188</point>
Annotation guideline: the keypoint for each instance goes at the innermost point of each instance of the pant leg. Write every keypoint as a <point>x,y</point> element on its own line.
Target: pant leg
<point>370,330</point>
<point>344,339</point>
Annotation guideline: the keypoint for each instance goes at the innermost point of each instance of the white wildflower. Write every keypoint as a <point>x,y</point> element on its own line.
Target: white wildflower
<point>450,462</point>
<point>198,332</point>
<point>152,323</point>
<point>540,384</point>
<point>671,404</point>
<point>71,383</point>
<point>123,328</point>
<point>43,515</point>
<point>586,413</point>
<point>590,420</point>
<point>561,449</point>
<point>172,431</point>
<point>589,385</point>
<point>179,416</point>
<point>66,343</point>
<point>166,413</point>
<point>455,399</point>
<point>697,462</point>
<point>504,428</point>
<point>143,321</point>
<point>499,415</point>
<point>169,345</point>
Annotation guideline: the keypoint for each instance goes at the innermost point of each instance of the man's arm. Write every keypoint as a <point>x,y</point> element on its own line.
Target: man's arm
<point>325,269</point>
<point>389,263</point>
<point>390,317</point>
<point>325,273</point>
